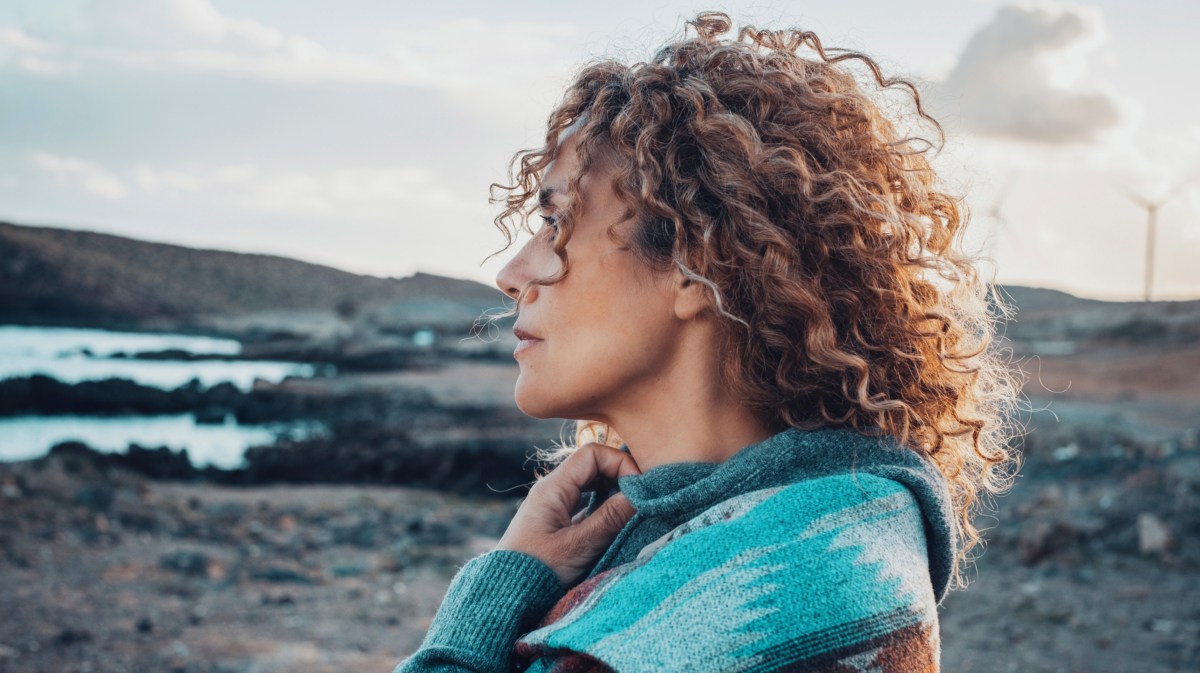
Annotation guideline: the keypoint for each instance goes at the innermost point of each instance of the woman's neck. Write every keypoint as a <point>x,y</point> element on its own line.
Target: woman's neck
<point>709,434</point>
<point>687,414</point>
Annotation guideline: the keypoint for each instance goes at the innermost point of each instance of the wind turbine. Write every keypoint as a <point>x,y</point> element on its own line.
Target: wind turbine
<point>1152,207</point>
<point>995,213</point>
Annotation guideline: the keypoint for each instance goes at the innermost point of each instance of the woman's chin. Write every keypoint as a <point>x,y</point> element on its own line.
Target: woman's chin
<point>540,404</point>
<point>532,404</point>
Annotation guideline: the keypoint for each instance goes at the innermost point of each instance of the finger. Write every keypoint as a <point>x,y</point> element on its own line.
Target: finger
<point>603,525</point>
<point>579,516</point>
<point>588,465</point>
<point>595,466</point>
<point>628,464</point>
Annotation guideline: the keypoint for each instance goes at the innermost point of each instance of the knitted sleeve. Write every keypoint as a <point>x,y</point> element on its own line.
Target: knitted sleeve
<point>828,574</point>
<point>492,599</point>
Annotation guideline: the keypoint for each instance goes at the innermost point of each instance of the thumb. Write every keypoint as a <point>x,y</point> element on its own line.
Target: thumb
<point>608,519</point>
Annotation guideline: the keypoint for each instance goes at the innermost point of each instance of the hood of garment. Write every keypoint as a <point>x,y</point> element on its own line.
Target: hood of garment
<point>679,491</point>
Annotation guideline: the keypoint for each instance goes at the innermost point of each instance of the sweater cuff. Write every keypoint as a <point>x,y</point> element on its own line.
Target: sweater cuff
<point>492,600</point>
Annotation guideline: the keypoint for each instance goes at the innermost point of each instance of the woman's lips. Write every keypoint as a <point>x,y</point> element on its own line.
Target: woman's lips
<point>527,340</point>
<point>524,345</point>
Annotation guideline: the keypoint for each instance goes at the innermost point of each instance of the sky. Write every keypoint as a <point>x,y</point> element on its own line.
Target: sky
<point>363,134</point>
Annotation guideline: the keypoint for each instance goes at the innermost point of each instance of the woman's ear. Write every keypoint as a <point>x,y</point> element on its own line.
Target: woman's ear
<point>692,295</point>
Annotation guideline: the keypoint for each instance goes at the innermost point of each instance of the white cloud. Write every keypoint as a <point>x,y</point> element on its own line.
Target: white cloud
<point>94,178</point>
<point>1023,76</point>
<point>200,17</point>
<point>43,66</point>
<point>469,53</point>
<point>379,193</point>
<point>17,40</point>
<point>31,54</point>
<point>299,66</point>
<point>464,56</point>
<point>158,181</point>
<point>361,192</point>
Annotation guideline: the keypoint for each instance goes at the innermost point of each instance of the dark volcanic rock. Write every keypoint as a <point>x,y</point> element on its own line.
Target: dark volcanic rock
<point>44,395</point>
<point>375,455</point>
<point>390,456</point>
<point>79,458</point>
<point>187,562</point>
<point>157,463</point>
<point>400,435</point>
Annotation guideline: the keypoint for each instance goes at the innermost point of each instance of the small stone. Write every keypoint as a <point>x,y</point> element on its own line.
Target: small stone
<point>277,599</point>
<point>70,636</point>
<point>1153,535</point>
<point>97,498</point>
<point>280,573</point>
<point>287,523</point>
<point>348,570</point>
<point>1066,452</point>
<point>191,563</point>
<point>395,559</point>
<point>1188,440</point>
<point>1162,625</point>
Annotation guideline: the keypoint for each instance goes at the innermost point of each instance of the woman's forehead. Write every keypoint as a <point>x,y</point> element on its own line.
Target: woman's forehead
<point>568,162</point>
<point>565,162</point>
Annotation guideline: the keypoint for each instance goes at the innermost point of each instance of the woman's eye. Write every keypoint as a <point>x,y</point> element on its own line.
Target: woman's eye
<point>550,221</point>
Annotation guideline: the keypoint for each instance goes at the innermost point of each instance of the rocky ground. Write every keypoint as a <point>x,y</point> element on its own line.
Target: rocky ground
<point>1092,565</point>
<point>104,570</point>
<point>1092,562</point>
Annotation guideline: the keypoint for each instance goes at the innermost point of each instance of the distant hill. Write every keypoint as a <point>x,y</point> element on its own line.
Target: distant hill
<point>60,276</point>
<point>1045,315</point>
<point>54,276</point>
<point>1037,300</point>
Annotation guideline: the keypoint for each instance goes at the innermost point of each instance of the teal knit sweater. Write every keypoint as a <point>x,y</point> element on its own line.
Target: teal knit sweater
<point>809,551</point>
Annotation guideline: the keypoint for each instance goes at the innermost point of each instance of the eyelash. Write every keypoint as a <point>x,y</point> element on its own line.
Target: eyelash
<point>551,222</point>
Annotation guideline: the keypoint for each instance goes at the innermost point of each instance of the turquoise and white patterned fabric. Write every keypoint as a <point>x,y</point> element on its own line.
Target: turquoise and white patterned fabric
<point>822,550</point>
<point>765,580</point>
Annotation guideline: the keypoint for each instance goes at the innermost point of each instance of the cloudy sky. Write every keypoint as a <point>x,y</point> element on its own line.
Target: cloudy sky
<point>363,134</point>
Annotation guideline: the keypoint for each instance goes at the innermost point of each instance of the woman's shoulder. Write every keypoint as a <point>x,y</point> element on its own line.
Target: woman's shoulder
<point>818,568</point>
<point>804,508</point>
<point>859,534</point>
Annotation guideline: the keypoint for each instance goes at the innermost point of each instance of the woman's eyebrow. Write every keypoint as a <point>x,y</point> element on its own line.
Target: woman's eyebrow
<point>546,194</point>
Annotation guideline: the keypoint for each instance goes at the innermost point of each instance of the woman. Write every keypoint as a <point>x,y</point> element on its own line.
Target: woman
<point>747,291</point>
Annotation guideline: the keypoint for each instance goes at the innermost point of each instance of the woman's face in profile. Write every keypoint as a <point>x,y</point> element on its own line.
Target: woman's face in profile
<point>594,343</point>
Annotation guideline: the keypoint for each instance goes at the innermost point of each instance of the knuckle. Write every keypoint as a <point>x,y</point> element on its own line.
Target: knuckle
<point>614,516</point>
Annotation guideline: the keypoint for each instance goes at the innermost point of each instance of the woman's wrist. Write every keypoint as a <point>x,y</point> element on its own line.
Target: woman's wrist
<point>492,599</point>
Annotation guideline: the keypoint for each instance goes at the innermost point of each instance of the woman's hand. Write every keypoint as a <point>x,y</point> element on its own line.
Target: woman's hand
<point>546,525</point>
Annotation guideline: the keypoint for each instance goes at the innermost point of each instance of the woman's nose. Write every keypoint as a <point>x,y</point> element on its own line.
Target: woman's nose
<point>512,277</point>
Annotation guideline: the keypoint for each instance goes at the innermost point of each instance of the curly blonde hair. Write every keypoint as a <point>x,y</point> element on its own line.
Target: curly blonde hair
<point>830,247</point>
